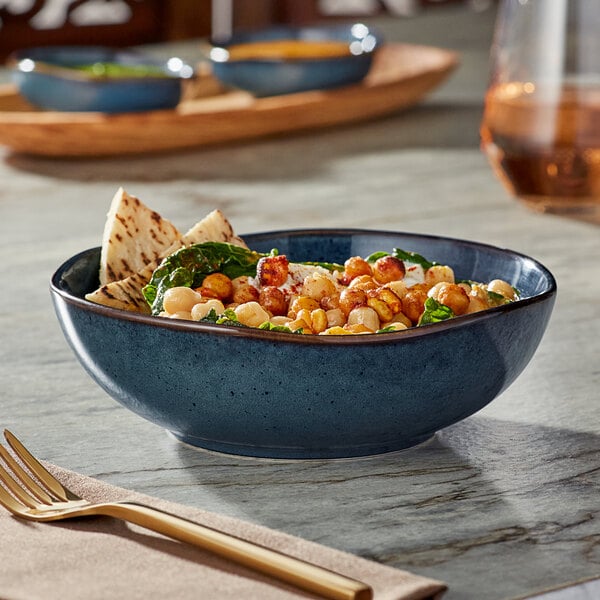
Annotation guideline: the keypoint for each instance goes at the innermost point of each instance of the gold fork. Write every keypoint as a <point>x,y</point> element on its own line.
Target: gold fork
<point>51,501</point>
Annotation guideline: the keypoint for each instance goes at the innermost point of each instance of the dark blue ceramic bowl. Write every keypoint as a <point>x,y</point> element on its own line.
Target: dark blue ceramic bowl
<point>278,395</point>
<point>85,78</point>
<point>276,76</point>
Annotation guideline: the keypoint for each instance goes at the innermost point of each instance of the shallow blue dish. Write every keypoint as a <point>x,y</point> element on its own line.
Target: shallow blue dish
<point>75,78</point>
<point>278,395</point>
<point>263,76</point>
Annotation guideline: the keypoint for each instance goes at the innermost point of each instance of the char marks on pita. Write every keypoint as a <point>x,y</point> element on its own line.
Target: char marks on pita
<point>135,241</point>
<point>134,236</point>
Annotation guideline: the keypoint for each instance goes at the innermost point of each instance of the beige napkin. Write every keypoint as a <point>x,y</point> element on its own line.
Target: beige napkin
<point>102,558</point>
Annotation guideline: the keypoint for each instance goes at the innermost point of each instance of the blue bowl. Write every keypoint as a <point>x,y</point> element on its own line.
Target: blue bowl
<point>274,76</point>
<point>86,78</point>
<point>279,395</point>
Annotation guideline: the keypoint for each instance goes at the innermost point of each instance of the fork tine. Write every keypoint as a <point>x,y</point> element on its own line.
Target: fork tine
<point>17,490</point>
<point>10,503</point>
<point>48,480</point>
<point>24,477</point>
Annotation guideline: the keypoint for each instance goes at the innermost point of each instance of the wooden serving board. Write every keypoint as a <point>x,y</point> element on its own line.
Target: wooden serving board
<point>401,75</point>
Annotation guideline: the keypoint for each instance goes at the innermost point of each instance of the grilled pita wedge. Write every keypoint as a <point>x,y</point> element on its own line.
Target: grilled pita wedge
<point>126,294</point>
<point>134,236</point>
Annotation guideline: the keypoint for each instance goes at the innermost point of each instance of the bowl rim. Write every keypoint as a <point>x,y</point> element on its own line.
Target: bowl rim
<point>41,66</point>
<point>326,340</point>
<point>239,37</point>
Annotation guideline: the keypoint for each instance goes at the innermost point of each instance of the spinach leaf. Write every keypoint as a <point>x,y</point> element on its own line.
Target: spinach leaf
<point>190,265</point>
<point>435,312</point>
<point>404,255</point>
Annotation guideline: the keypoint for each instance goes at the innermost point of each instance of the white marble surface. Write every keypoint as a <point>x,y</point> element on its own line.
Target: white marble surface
<point>502,505</point>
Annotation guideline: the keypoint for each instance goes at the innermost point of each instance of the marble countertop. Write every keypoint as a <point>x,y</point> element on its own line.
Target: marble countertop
<point>501,505</point>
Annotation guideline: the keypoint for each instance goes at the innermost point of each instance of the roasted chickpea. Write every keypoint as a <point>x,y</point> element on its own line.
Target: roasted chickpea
<point>272,270</point>
<point>350,299</point>
<point>363,282</point>
<point>207,293</point>
<point>356,266</point>
<point>454,297</point>
<point>330,302</point>
<point>301,303</point>
<point>219,284</point>
<point>413,303</point>
<point>245,293</point>
<point>273,300</point>
<point>388,268</point>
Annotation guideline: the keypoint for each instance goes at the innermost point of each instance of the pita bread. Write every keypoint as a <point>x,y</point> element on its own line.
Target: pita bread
<point>126,293</point>
<point>134,236</point>
<point>213,228</point>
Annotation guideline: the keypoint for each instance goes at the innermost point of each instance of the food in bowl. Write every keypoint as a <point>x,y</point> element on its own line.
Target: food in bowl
<point>96,78</point>
<point>226,283</point>
<point>262,393</point>
<point>285,60</point>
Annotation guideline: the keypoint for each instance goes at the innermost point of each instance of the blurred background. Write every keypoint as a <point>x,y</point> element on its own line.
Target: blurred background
<point>26,23</point>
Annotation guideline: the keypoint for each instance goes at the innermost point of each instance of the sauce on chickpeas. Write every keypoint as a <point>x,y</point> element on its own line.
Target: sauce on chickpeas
<point>387,294</point>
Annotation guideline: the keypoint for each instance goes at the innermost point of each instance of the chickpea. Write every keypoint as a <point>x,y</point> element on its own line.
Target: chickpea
<point>245,293</point>
<point>356,266</point>
<point>439,274</point>
<point>318,320</point>
<point>200,310</point>
<point>318,286</point>
<point>387,296</point>
<point>364,315</point>
<point>454,297</point>
<point>499,286</point>
<point>219,284</point>
<point>399,318</point>
<point>350,299</point>
<point>251,314</point>
<point>388,268</point>
<point>413,303</point>
<point>179,299</point>
<point>384,312</point>
<point>398,287</point>
<point>363,282</point>
<point>207,293</point>
<point>330,302</point>
<point>335,317</point>
<point>272,270</point>
<point>336,330</point>
<point>301,302</point>
<point>358,328</point>
<point>476,304</point>
<point>273,300</point>
<point>297,324</point>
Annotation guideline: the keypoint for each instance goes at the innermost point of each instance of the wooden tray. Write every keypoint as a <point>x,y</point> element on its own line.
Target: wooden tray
<point>400,76</point>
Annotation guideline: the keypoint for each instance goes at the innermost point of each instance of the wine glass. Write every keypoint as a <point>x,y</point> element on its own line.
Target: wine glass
<point>541,125</point>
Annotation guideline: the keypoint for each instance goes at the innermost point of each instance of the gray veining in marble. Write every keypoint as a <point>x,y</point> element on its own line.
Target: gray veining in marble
<point>501,505</point>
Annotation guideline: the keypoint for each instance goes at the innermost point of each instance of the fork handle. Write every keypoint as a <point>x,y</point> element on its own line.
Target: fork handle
<point>299,573</point>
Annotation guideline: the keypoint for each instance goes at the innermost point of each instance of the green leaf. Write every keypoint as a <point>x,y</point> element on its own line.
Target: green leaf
<point>267,326</point>
<point>376,256</point>
<point>190,265</point>
<point>435,312</point>
<point>414,258</point>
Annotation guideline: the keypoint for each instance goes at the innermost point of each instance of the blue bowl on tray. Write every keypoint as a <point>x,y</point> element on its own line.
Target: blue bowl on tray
<point>285,60</point>
<point>278,395</point>
<point>99,79</point>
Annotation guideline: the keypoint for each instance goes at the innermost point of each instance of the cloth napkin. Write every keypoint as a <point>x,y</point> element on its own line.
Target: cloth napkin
<point>102,558</point>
